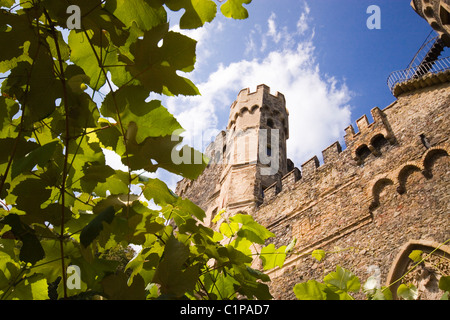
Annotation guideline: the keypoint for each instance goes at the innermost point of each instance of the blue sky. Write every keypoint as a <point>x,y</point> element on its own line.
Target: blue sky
<point>319,53</point>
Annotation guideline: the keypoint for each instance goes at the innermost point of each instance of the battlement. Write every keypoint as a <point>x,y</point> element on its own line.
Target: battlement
<point>308,172</point>
<point>369,136</point>
<point>262,102</point>
<point>367,141</point>
<point>262,90</point>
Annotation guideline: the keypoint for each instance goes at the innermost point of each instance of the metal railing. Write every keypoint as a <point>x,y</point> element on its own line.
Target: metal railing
<point>420,55</point>
<point>417,72</point>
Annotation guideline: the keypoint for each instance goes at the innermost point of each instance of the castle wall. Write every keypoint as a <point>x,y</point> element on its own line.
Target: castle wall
<point>388,186</point>
<point>367,201</point>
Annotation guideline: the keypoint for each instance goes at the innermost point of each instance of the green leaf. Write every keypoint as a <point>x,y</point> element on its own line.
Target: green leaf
<point>85,56</point>
<point>311,290</point>
<point>382,294</point>
<point>171,275</point>
<point>272,257</point>
<point>156,67</point>
<point>250,229</point>
<point>28,195</point>
<point>139,12</point>
<point>196,13</point>
<point>34,86</point>
<point>34,287</point>
<point>416,255</point>
<point>221,286</point>
<point>444,283</point>
<point>158,191</point>
<point>95,226</point>
<point>151,118</point>
<point>6,3</point>
<point>407,292</point>
<point>234,9</point>
<point>50,266</point>
<point>343,280</point>
<point>163,151</point>
<point>39,156</point>
<point>31,250</point>
<point>19,38</point>
<point>186,206</point>
<point>115,287</point>
<point>291,245</point>
<point>8,109</point>
<point>228,229</point>
<point>318,254</point>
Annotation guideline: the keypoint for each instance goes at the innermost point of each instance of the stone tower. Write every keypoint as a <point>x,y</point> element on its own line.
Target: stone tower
<point>247,158</point>
<point>254,150</point>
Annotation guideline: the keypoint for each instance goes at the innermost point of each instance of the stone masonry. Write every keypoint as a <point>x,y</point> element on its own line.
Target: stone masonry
<point>368,205</point>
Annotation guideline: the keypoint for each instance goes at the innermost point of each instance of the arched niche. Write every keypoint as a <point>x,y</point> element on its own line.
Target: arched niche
<point>424,276</point>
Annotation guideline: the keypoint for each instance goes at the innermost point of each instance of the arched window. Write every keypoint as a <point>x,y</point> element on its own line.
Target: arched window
<point>270,123</point>
<point>363,152</point>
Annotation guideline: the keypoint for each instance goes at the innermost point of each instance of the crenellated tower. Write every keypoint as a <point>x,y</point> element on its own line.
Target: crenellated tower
<point>254,148</point>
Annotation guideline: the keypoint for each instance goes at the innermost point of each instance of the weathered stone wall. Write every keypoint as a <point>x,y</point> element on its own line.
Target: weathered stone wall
<point>362,205</point>
<point>364,208</point>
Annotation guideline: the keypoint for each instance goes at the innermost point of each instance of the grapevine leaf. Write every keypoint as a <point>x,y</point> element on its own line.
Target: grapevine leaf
<point>115,287</point>
<point>34,287</point>
<point>170,274</point>
<point>234,9</point>
<point>38,156</point>
<point>220,286</point>
<point>163,151</point>
<point>8,108</point>
<point>272,257</point>
<point>311,290</point>
<point>407,292</point>
<point>17,37</point>
<point>318,254</point>
<point>151,118</point>
<point>382,294</point>
<point>343,279</point>
<point>158,191</point>
<point>115,184</point>
<point>29,195</point>
<point>6,3</point>
<point>416,255</point>
<point>31,250</point>
<point>95,226</point>
<point>250,229</point>
<point>291,245</point>
<point>188,207</point>
<point>140,12</point>
<point>444,283</point>
<point>196,14</point>
<point>35,86</point>
<point>23,147</point>
<point>156,67</point>
<point>83,57</point>
<point>50,266</point>
<point>58,48</point>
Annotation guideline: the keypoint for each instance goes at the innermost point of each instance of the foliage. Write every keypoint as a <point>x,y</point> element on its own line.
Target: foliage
<point>62,205</point>
<point>338,285</point>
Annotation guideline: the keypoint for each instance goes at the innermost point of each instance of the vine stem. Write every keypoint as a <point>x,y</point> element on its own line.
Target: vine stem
<point>119,119</point>
<point>66,140</point>
<point>414,266</point>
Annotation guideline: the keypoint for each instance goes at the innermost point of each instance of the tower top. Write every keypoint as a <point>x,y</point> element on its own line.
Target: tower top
<point>261,104</point>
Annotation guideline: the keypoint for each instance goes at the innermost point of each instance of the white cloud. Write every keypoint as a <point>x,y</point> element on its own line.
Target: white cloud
<point>303,21</point>
<point>317,104</point>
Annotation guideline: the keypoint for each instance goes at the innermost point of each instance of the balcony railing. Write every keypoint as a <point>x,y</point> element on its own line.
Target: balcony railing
<point>416,72</point>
